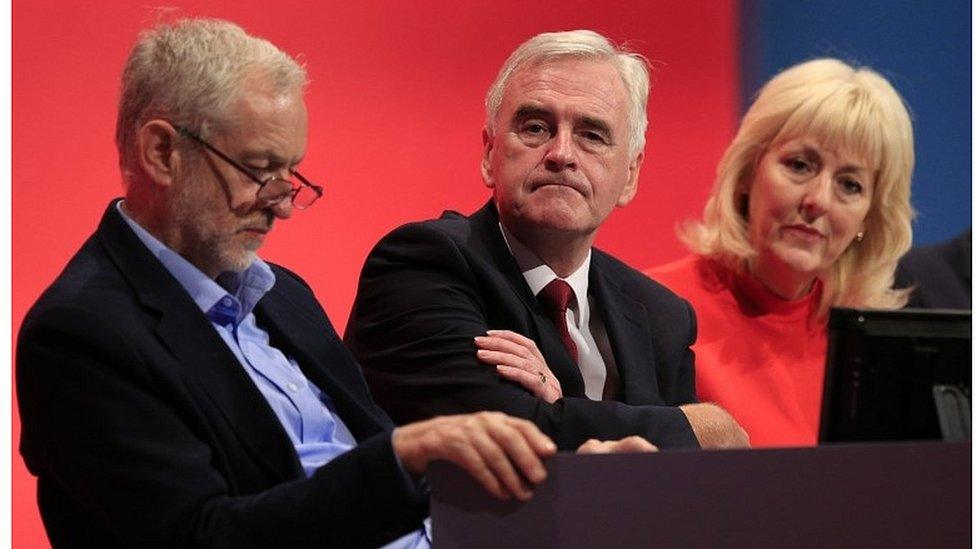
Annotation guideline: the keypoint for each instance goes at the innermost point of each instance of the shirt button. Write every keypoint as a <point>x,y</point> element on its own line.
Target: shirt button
<point>227,302</point>
<point>292,387</point>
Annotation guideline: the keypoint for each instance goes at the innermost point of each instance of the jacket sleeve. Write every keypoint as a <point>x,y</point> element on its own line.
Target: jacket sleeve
<point>114,440</point>
<point>422,299</point>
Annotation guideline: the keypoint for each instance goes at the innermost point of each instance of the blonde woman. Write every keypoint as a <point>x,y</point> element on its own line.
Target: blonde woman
<point>810,210</point>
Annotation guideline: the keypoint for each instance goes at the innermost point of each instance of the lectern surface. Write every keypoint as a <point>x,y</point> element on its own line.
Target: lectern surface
<point>879,495</point>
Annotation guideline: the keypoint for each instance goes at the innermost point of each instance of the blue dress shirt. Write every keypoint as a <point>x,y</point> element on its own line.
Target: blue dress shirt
<point>306,413</point>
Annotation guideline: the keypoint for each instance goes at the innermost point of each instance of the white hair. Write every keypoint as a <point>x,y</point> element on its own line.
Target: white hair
<point>581,44</point>
<point>189,72</point>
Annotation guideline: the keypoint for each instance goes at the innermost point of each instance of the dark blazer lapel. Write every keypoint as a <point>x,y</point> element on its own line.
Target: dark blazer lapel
<point>198,349</point>
<point>485,228</point>
<point>322,357</point>
<point>629,332</point>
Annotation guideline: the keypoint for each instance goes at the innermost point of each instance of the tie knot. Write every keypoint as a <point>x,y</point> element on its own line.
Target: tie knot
<point>556,295</point>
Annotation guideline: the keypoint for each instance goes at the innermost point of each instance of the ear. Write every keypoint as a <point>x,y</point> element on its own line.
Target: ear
<point>156,152</point>
<point>488,142</point>
<point>633,174</point>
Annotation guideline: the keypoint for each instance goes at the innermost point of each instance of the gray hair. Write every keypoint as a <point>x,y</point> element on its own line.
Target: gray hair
<point>189,72</point>
<point>584,44</point>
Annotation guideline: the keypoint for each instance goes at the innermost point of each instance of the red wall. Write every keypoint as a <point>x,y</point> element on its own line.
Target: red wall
<point>395,110</point>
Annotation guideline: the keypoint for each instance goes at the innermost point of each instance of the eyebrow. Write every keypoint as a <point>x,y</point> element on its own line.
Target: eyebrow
<point>813,152</point>
<point>530,111</point>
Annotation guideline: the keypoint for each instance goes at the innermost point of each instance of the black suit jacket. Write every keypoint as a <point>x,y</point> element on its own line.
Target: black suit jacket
<point>940,273</point>
<point>427,289</point>
<point>144,430</point>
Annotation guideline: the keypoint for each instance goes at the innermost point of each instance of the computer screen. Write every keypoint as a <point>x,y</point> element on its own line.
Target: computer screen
<point>897,375</point>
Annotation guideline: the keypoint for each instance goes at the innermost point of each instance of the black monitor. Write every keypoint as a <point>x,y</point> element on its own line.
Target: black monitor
<point>897,375</point>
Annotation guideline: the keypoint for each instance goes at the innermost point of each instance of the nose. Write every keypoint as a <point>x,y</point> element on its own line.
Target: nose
<point>282,209</point>
<point>275,195</point>
<point>561,154</point>
<point>816,197</point>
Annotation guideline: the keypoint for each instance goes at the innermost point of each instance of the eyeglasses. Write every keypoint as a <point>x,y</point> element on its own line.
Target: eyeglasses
<point>273,188</point>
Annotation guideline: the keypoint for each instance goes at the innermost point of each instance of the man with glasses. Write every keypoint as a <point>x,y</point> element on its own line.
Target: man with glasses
<point>176,390</point>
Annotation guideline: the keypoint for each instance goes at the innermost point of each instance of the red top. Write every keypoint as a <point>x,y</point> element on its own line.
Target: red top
<point>758,356</point>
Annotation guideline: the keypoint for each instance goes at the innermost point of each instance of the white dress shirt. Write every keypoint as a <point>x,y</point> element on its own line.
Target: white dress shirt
<point>586,328</point>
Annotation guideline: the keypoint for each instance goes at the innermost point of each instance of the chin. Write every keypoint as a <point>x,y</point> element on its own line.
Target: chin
<point>799,260</point>
<point>805,265</point>
<point>560,224</point>
<point>238,262</point>
<point>556,216</point>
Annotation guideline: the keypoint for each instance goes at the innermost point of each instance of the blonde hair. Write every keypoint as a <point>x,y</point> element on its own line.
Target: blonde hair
<point>189,72</point>
<point>840,106</point>
<point>580,44</point>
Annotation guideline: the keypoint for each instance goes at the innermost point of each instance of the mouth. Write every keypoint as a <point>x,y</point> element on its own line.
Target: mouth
<point>581,189</point>
<point>804,232</point>
<point>261,230</point>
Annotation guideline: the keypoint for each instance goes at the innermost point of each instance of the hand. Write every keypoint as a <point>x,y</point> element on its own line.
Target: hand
<point>625,445</point>
<point>714,427</point>
<point>517,358</point>
<point>499,451</point>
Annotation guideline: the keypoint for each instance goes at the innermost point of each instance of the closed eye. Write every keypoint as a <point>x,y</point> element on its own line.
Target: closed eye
<point>595,137</point>
<point>261,172</point>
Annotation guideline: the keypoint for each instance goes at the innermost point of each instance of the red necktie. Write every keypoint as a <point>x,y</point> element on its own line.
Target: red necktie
<point>555,297</point>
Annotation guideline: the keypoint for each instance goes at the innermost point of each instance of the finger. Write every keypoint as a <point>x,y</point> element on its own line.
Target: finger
<point>495,452</point>
<point>472,460</point>
<point>626,445</point>
<point>592,446</point>
<point>447,439</point>
<point>529,380</point>
<point>504,340</point>
<point>633,444</point>
<point>503,345</point>
<point>540,443</point>
<point>525,342</point>
<point>514,337</point>
<point>547,389</point>
<point>520,339</point>
<point>520,453</point>
<point>498,357</point>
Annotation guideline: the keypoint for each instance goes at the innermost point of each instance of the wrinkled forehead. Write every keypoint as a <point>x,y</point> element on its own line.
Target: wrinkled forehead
<point>262,106</point>
<point>586,82</point>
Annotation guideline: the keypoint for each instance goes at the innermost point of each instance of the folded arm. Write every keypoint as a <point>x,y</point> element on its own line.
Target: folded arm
<point>422,300</point>
<point>517,359</point>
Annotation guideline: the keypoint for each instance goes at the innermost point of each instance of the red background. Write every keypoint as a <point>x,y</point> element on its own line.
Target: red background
<point>395,109</point>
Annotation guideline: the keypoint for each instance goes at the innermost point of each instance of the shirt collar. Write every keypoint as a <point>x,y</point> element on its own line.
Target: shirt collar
<point>537,274</point>
<point>245,288</point>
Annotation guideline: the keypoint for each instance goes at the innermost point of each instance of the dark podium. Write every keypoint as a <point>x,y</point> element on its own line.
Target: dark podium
<point>858,495</point>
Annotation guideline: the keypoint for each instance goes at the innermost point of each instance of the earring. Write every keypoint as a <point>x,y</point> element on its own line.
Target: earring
<point>860,236</point>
